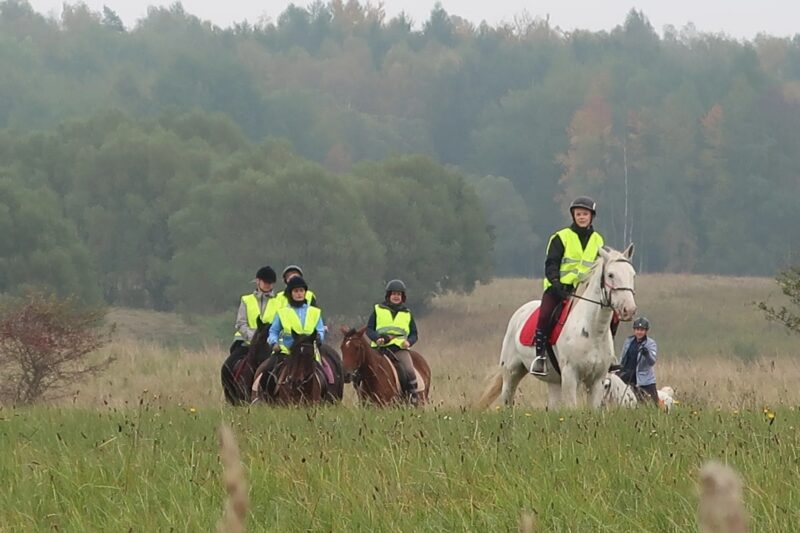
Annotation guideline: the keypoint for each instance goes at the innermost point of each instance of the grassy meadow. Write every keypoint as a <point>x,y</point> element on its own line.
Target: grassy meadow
<point>136,449</point>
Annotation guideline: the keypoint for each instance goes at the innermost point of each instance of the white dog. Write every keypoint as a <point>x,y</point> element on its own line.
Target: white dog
<point>666,397</point>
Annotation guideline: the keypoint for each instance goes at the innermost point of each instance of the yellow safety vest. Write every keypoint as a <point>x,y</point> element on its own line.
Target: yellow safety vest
<point>577,261</point>
<point>284,301</point>
<point>290,322</point>
<point>251,306</point>
<point>398,326</point>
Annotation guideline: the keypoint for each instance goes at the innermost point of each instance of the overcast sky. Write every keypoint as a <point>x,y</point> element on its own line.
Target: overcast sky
<point>737,18</point>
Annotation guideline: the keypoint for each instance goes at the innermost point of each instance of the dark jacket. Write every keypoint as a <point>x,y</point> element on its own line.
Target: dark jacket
<point>555,252</point>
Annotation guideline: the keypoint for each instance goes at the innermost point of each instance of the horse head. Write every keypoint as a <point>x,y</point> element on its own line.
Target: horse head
<point>352,347</point>
<point>300,365</point>
<point>618,281</point>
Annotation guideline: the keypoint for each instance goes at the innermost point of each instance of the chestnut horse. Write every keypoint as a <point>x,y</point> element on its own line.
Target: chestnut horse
<point>377,377</point>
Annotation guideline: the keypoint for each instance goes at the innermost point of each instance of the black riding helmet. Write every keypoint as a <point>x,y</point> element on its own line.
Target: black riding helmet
<point>585,202</point>
<point>641,322</point>
<point>395,285</point>
<point>266,273</point>
<point>294,283</point>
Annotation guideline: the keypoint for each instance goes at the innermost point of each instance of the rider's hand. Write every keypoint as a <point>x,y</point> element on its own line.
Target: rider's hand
<point>276,348</point>
<point>406,344</point>
<point>380,341</point>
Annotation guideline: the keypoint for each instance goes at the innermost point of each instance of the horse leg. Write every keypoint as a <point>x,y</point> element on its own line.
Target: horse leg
<point>596,392</point>
<point>511,378</point>
<point>553,396</point>
<point>569,387</point>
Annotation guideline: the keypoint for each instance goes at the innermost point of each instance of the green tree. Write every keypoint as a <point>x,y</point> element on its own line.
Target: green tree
<point>38,246</point>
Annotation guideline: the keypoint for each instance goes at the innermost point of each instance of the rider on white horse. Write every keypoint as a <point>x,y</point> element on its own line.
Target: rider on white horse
<point>571,253</point>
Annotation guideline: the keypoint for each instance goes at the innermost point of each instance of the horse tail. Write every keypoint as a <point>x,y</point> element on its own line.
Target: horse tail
<point>494,384</point>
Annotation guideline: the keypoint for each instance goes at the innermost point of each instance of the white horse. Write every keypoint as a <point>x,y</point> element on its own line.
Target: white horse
<point>585,349</point>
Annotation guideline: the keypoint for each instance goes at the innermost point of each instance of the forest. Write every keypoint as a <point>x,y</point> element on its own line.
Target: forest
<point>160,165</point>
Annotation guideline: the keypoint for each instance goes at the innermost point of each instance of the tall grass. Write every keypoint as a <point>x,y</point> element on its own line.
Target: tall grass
<point>136,448</point>
<point>154,469</point>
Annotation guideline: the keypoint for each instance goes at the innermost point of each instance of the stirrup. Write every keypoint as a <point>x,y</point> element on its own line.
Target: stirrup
<point>539,366</point>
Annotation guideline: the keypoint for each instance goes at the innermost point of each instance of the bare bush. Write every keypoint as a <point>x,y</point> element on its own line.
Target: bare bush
<point>45,347</point>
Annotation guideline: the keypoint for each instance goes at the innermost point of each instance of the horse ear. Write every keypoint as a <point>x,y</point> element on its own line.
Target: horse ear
<point>361,331</point>
<point>628,251</point>
<point>344,330</point>
<point>603,252</point>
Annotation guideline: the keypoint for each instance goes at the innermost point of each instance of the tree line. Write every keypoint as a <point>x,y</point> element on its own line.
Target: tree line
<point>687,140</point>
<point>179,212</point>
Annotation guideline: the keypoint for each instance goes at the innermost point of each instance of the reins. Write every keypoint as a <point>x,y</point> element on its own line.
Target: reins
<point>605,302</point>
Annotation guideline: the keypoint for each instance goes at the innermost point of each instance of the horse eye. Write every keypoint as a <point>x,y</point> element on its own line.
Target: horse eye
<point>611,276</point>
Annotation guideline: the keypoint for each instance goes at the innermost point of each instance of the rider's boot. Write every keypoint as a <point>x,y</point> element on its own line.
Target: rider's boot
<point>539,366</point>
<point>411,393</point>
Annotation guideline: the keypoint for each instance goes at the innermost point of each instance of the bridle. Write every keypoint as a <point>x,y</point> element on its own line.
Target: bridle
<point>607,290</point>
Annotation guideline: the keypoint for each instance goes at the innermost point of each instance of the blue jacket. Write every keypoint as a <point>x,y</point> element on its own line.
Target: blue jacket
<point>645,360</point>
<point>276,328</point>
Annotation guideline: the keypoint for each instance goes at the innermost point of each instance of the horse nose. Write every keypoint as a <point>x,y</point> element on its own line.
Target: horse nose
<point>628,312</point>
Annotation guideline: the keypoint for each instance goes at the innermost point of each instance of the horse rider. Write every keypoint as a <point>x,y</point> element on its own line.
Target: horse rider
<point>391,327</point>
<point>299,317</point>
<point>260,304</point>
<point>571,252</point>
<point>637,361</point>
<point>290,272</point>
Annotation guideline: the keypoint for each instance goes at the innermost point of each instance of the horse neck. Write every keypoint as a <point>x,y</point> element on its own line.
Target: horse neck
<point>371,360</point>
<point>589,314</point>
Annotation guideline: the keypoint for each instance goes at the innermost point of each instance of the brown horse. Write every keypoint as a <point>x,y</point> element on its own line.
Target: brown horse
<point>237,378</point>
<point>297,378</point>
<point>378,379</point>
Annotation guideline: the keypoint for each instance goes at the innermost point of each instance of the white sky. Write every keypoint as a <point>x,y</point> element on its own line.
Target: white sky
<point>737,18</point>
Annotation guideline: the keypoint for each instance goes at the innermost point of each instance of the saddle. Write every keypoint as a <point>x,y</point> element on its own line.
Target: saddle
<point>398,373</point>
<point>557,321</point>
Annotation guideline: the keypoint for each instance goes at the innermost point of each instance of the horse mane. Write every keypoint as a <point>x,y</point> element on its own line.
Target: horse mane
<point>258,345</point>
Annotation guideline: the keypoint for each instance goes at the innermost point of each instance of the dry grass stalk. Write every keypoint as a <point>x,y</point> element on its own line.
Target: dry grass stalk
<point>526,523</point>
<point>721,504</point>
<point>233,521</point>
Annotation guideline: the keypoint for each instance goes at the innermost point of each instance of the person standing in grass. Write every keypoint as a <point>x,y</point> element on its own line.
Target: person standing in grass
<point>638,360</point>
<point>391,327</point>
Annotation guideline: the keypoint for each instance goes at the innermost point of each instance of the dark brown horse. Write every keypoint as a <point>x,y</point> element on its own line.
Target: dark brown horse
<point>299,378</point>
<point>236,381</point>
<point>378,381</point>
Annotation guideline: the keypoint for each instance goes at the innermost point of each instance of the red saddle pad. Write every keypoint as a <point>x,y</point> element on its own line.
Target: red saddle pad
<point>528,332</point>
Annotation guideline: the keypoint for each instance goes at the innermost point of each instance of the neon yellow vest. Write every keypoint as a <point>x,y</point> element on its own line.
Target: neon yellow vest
<point>251,306</point>
<point>577,261</point>
<point>399,325</point>
<point>291,324</point>
<point>284,301</point>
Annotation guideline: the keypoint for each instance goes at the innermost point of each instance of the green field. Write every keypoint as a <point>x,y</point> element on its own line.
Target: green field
<point>136,448</point>
<point>151,469</point>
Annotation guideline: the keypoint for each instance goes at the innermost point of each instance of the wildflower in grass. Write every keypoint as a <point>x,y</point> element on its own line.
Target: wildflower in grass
<point>192,410</point>
<point>561,419</point>
<point>736,411</point>
<point>771,417</point>
<point>528,414</point>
